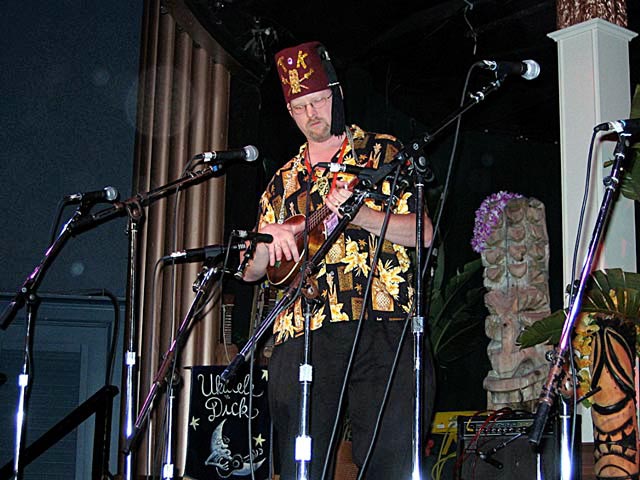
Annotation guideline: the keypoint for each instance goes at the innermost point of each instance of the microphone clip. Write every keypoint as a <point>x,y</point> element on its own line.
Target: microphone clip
<point>208,270</point>
<point>247,257</point>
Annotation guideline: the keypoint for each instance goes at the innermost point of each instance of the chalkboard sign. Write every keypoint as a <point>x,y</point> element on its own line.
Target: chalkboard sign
<point>219,444</point>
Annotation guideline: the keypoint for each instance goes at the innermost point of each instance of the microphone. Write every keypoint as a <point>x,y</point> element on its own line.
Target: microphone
<point>255,236</point>
<point>364,174</point>
<point>527,69</point>
<point>335,167</point>
<point>247,154</point>
<point>199,254</point>
<point>106,195</point>
<point>630,126</point>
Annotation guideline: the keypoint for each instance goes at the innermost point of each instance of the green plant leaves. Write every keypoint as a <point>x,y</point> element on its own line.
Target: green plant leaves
<point>547,331</point>
<point>454,318</point>
<point>630,185</point>
<point>614,292</point>
<point>610,292</point>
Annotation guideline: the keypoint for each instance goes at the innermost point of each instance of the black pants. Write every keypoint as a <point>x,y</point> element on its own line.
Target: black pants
<point>330,348</point>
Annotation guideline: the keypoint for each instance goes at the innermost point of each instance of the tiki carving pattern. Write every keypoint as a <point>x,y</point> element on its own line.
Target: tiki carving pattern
<point>615,426</point>
<point>516,260</point>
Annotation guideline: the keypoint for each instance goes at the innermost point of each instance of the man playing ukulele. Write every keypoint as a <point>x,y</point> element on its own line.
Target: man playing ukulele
<point>298,190</point>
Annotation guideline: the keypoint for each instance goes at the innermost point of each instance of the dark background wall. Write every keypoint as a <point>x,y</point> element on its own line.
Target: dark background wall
<point>68,79</point>
<point>69,89</point>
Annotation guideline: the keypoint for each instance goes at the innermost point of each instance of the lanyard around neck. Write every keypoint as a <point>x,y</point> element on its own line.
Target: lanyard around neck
<point>307,162</point>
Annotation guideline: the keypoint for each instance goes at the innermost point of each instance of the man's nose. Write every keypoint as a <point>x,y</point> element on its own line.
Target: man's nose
<point>310,110</point>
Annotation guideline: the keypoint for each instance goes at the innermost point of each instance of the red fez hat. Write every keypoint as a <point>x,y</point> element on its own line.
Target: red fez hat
<point>301,70</point>
<point>307,68</point>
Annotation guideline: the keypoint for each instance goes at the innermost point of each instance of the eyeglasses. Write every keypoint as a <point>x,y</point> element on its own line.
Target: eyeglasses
<point>316,104</point>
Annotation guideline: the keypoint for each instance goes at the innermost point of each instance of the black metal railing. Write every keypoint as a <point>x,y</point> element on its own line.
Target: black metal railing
<point>99,404</point>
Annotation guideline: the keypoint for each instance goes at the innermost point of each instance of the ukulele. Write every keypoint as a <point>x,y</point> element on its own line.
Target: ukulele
<point>284,270</point>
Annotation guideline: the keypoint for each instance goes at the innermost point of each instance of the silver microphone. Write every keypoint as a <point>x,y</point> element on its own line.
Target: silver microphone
<point>255,236</point>
<point>200,254</point>
<point>107,195</point>
<point>247,154</point>
<point>527,69</point>
<point>630,126</point>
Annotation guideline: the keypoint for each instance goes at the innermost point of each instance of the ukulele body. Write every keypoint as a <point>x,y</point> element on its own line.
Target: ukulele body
<point>284,271</point>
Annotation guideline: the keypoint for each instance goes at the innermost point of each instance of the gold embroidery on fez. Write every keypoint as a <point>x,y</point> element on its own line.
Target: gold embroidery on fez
<point>381,300</point>
<point>301,57</point>
<point>345,280</point>
<point>296,85</point>
<point>336,253</point>
<point>294,80</point>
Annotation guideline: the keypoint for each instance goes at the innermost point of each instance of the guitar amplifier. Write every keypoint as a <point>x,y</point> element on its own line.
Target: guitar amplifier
<point>498,448</point>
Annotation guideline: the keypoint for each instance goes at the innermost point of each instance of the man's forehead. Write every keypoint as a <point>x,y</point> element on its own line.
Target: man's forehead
<point>310,96</point>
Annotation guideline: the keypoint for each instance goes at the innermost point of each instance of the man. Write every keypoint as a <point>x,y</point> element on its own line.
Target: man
<point>314,100</point>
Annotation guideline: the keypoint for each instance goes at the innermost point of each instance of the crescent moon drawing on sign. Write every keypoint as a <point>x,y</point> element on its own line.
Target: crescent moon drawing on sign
<point>246,468</point>
<point>219,449</point>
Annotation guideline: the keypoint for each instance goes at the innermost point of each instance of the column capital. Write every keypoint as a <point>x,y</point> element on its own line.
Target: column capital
<point>593,25</point>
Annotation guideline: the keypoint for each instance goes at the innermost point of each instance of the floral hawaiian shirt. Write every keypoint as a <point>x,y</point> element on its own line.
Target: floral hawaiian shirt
<point>344,272</point>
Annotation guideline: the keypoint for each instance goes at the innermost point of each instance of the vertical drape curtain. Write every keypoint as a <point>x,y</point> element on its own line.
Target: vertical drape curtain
<point>183,105</point>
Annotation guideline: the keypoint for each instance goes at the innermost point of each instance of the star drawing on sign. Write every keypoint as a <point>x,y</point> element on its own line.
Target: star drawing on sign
<point>195,422</point>
<point>259,440</point>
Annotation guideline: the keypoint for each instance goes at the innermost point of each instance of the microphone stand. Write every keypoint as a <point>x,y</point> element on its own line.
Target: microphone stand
<point>416,145</point>
<point>422,174</point>
<point>556,372</point>
<point>302,451</point>
<point>133,208</point>
<point>27,295</point>
<point>130,337</point>
<point>201,287</point>
<point>82,221</point>
<point>417,326</point>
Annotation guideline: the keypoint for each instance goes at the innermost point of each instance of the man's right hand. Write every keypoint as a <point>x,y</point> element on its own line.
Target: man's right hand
<point>267,254</point>
<point>284,242</point>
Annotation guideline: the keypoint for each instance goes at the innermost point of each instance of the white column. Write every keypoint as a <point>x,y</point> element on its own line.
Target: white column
<point>593,68</point>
